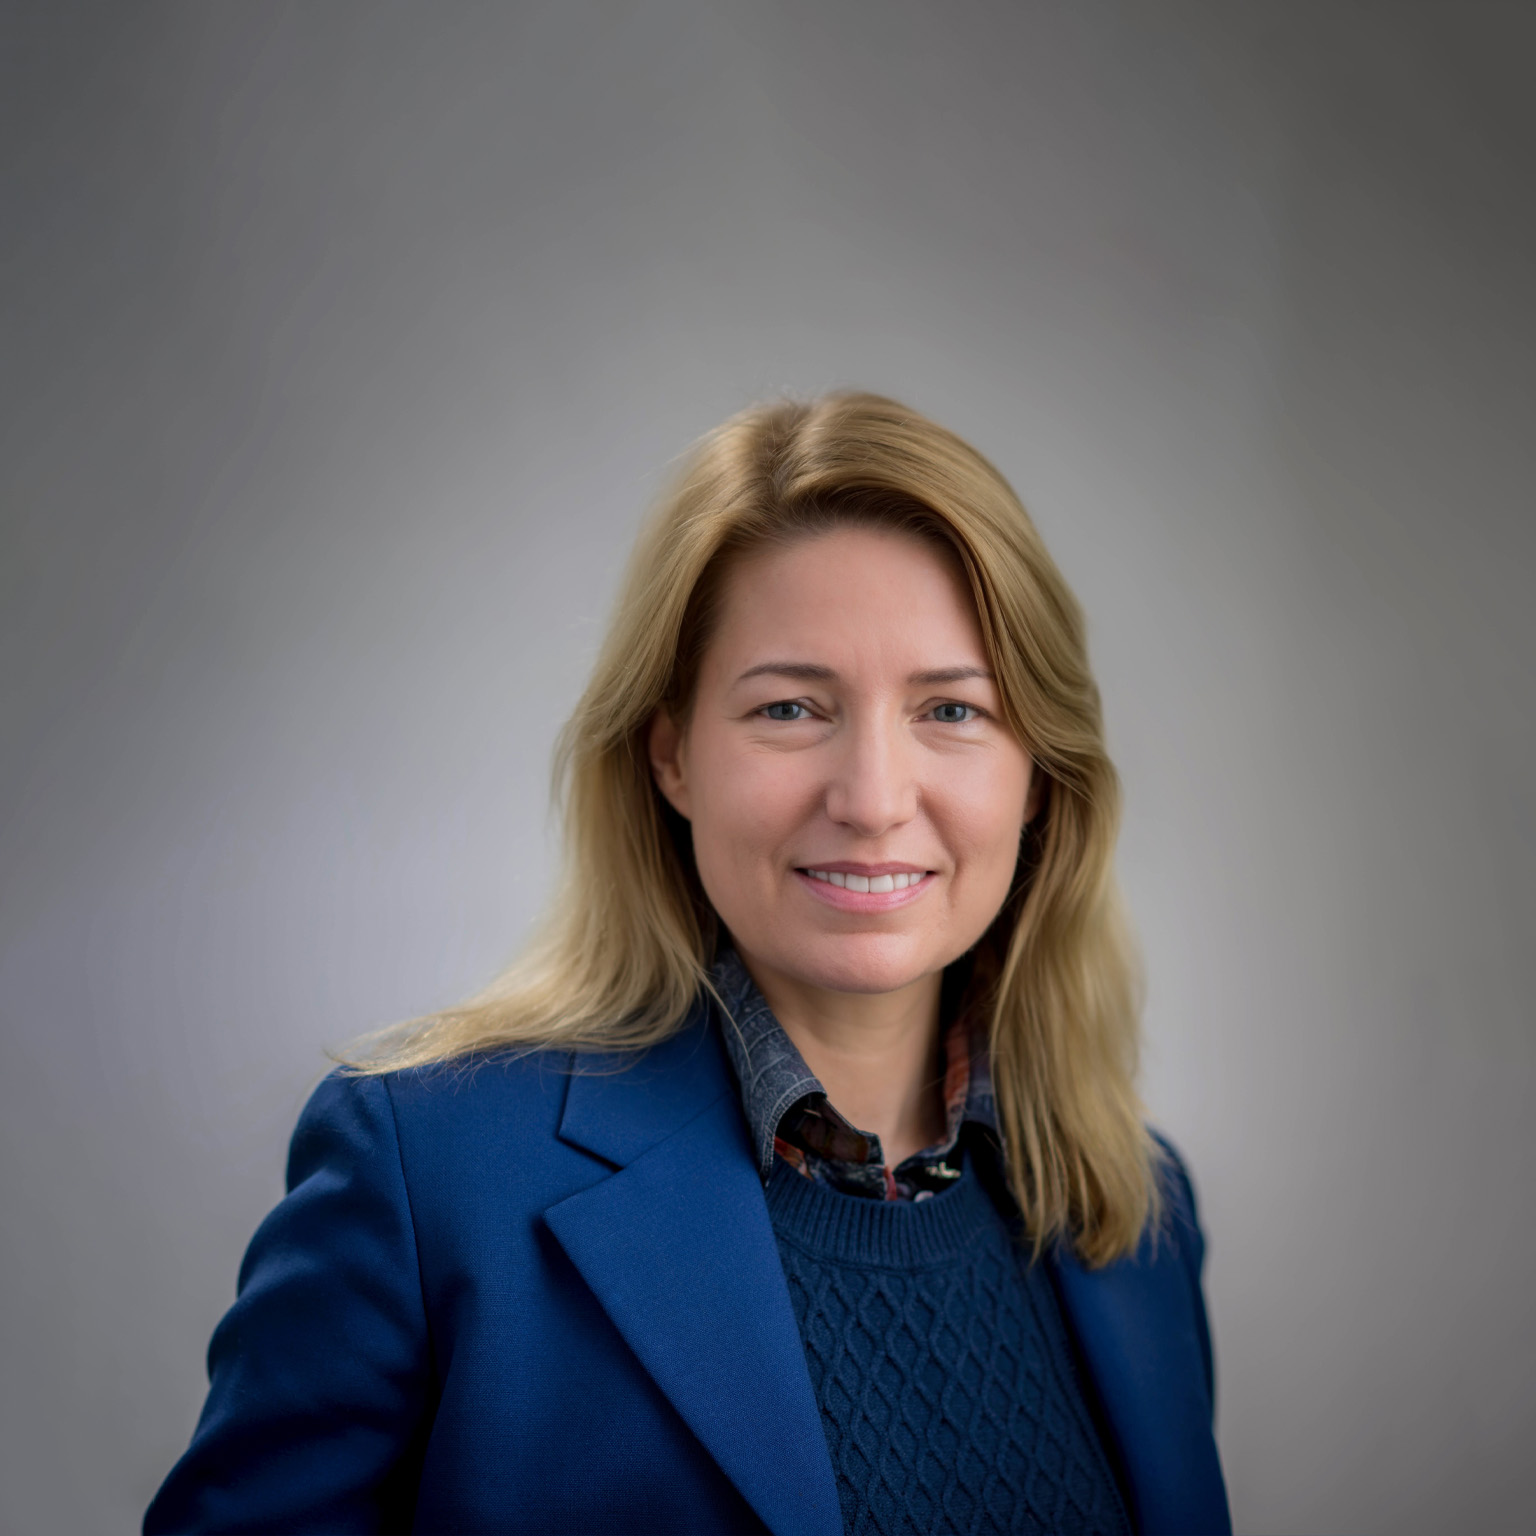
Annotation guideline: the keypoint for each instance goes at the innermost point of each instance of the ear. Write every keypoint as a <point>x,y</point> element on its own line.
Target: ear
<point>664,741</point>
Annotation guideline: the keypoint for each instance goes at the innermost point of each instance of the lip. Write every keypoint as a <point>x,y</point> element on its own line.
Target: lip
<point>844,900</point>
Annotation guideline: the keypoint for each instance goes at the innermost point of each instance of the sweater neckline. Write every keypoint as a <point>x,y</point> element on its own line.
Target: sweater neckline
<point>880,1234</point>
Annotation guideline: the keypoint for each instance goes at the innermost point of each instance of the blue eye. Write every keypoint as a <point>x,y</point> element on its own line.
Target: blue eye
<point>777,711</point>
<point>961,713</point>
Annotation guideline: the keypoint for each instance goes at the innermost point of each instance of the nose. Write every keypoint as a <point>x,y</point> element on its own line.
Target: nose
<point>873,785</point>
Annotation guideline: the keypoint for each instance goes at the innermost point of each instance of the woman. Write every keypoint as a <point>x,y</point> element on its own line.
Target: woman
<point>795,1178</point>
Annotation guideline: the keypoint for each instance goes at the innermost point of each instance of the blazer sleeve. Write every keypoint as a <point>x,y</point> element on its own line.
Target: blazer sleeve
<point>320,1373</point>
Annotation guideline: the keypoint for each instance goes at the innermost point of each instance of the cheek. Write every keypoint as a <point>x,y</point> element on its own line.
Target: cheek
<point>746,806</point>
<point>985,813</point>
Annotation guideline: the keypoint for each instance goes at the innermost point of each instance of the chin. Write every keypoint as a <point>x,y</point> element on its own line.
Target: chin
<point>860,962</point>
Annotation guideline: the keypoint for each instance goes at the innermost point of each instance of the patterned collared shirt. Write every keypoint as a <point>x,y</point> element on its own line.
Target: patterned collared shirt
<point>789,1115</point>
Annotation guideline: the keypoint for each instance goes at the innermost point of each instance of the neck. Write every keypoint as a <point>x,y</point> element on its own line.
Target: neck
<point>877,1054</point>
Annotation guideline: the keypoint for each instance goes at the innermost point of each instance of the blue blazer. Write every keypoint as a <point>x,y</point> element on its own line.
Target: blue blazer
<point>538,1293</point>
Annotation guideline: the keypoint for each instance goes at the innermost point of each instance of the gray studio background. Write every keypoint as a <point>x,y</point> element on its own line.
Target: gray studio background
<point>343,348</point>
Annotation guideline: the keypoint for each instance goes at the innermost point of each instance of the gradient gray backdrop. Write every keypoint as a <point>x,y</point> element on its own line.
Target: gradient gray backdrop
<point>343,347</point>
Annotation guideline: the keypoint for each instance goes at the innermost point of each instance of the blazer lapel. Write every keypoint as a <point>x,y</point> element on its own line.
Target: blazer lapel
<point>678,1249</point>
<point>1140,1325</point>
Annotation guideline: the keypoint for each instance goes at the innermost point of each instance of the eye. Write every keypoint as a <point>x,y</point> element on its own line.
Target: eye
<point>955,714</point>
<point>785,710</point>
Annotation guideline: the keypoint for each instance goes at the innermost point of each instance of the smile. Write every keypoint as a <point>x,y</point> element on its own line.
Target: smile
<point>850,892</point>
<point>878,884</point>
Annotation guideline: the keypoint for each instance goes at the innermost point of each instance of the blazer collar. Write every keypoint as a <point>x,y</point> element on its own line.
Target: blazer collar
<point>621,1105</point>
<point>678,1249</point>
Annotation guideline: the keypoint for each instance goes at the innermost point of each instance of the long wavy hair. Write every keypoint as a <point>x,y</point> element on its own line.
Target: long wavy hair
<point>624,948</point>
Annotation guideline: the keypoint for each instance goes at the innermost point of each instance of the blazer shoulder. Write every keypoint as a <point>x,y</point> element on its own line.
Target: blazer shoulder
<point>488,1080</point>
<point>1181,1220</point>
<point>484,1082</point>
<point>1181,1208</point>
<point>524,1124</point>
<point>445,1112</point>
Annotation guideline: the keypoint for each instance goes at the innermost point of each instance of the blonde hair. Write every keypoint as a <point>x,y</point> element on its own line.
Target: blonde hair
<point>624,948</point>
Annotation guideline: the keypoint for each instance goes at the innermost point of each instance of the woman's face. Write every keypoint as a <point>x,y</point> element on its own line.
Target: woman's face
<point>855,796</point>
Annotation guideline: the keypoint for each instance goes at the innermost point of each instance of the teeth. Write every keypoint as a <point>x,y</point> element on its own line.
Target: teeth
<point>875,884</point>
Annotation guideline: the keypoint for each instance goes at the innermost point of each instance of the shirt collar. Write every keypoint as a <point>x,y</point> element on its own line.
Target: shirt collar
<point>772,1073</point>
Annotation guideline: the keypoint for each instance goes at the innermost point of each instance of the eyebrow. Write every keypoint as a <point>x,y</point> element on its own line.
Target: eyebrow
<point>812,672</point>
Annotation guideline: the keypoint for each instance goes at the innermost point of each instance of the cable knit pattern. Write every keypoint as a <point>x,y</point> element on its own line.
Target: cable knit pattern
<point>941,1366</point>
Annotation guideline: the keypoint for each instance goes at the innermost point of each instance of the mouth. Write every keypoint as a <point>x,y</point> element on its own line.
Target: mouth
<point>865,888</point>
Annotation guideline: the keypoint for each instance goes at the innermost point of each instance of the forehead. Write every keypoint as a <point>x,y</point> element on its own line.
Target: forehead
<point>849,598</point>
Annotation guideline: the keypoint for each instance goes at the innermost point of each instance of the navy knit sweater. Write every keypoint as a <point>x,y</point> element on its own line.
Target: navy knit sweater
<point>941,1365</point>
